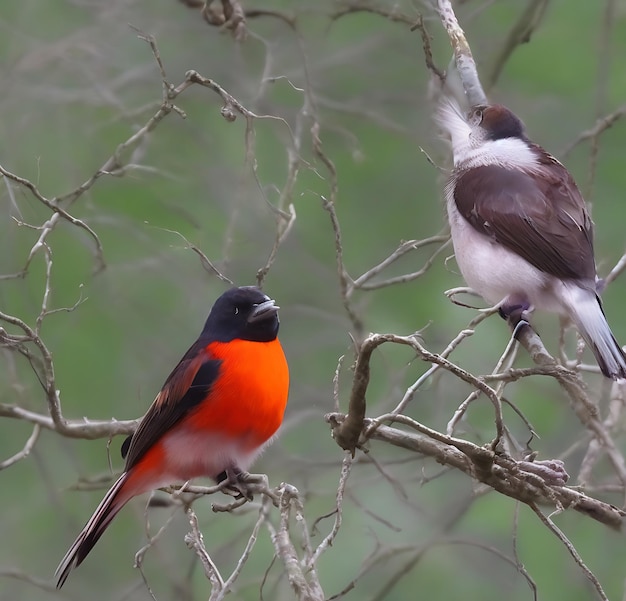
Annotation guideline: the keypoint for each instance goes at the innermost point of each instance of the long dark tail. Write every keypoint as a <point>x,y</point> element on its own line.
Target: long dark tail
<point>113,501</point>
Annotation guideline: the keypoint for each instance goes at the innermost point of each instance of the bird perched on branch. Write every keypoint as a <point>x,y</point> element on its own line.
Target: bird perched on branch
<point>521,232</point>
<point>217,410</point>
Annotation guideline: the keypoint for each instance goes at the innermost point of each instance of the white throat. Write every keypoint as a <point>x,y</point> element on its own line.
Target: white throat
<point>471,149</point>
<point>508,152</point>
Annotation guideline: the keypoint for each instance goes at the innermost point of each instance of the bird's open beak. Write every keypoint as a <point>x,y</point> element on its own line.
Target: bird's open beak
<point>263,310</point>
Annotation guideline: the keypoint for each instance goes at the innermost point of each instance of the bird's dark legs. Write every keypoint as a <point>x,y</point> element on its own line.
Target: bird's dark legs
<point>239,482</point>
<point>516,312</point>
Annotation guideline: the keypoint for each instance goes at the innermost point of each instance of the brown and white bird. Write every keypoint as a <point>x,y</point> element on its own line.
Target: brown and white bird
<point>521,232</point>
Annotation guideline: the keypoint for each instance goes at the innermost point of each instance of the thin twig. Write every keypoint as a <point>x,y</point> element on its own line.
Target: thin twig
<point>546,521</point>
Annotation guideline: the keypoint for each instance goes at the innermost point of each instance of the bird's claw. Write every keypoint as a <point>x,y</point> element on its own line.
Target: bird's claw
<point>516,315</point>
<point>240,484</point>
<point>519,326</point>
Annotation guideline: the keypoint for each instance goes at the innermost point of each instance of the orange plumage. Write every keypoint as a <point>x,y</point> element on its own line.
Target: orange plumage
<point>216,411</point>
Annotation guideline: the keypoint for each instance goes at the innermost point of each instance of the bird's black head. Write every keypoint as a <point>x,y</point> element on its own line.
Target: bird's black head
<point>244,313</point>
<point>497,121</point>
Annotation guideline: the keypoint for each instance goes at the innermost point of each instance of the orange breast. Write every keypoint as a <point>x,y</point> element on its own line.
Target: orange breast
<point>248,399</point>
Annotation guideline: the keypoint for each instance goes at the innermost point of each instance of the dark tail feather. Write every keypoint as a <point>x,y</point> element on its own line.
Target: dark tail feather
<point>91,533</point>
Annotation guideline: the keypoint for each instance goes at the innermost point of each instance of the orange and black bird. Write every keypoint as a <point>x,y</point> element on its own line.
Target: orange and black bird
<point>217,410</point>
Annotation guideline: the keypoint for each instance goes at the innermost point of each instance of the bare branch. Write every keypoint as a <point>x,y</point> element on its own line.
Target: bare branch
<point>357,6</point>
<point>361,282</point>
<point>49,225</point>
<point>428,53</point>
<point>228,584</point>
<point>330,537</point>
<point>347,433</point>
<point>329,206</point>
<point>195,541</point>
<point>87,429</point>
<point>304,589</point>
<point>600,126</point>
<point>492,462</point>
<point>500,473</point>
<point>571,549</point>
<point>28,447</point>
<point>520,33</point>
<point>619,268</point>
<point>39,583</point>
<point>585,408</point>
<point>464,60</point>
<point>204,260</point>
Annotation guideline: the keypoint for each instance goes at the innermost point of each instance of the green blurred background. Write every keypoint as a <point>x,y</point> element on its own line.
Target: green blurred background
<point>76,81</point>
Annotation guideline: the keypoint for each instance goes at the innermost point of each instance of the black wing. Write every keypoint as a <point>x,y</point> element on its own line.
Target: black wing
<point>188,384</point>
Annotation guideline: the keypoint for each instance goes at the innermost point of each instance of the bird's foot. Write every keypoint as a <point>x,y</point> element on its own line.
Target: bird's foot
<point>551,471</point>
<point>241,484</point>
<point>519,326</point>
<point>517,315</point>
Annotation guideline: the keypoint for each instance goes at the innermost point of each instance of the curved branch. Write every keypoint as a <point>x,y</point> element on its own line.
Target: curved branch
<point>347,432</point>
<point>508,477</point>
